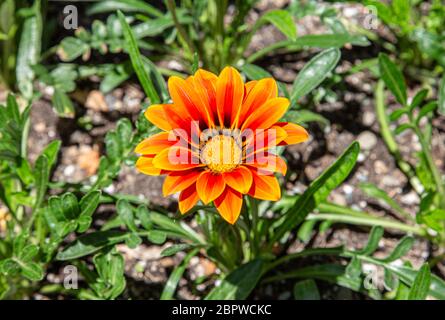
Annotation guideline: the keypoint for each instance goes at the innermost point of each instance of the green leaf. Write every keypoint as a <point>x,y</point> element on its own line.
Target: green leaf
<point>90,243</point>
<point>306,116</point>
<point>136,60</point>
<point>254,72</point>
<point>400,250</point>
<point>125,212</point>
<point>174,249</point>
<point>29,51</point>
<point>402,128</point>
<point>372,191</point>
<point>441,98</point>
<point>123,5</point>
<point>31,270</point>
<point>425,110</point>
<point>319,190</point>
<point>116,76</point>
<point>89,203</point>
<point>418,99</point>
<point>420,288</point>
<point>156,78</point>
<point>175,276</point>
<point>284,22</point>
<point>51,151</point>
<point>70,206</point>
<point>110,266</point>
<point>326,41</point>
<point>143,215</point>
<point>174,228</point>
<point>63,105</point>
<point>314,72</point>
<point>305,231</point>
<point>306,290</point>
<point>156,236</point>
<point>41,176</point>
<point>408,276</point>
<point>373,241</point>
<point>72,48</point>
<point>239,283</point>
<point>393,78</point>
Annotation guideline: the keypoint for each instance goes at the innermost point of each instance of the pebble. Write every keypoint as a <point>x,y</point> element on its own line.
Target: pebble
<point>368,118</point>
<point>367,140</point>
<point>380,167</point>
<point>410,198</point>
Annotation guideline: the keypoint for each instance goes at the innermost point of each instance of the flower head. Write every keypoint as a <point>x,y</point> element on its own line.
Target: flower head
<point>218,140</point>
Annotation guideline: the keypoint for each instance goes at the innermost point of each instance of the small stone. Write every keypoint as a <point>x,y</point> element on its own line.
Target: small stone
<point>69,170</point>
<point>96,101</point>
<point>348,189</point>
<point>367,140</point>
<point>380,167</point>
<point>410,198</point>
<point>390,181</point>
<point>368,118</point>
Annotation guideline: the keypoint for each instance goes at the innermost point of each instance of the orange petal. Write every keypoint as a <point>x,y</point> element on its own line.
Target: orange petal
<point>265,187</point>
<point>266,115</point>
<point>185,95</point>
<point>145,165</point>
<point>269,163</point>
<point>239,179</point>
<point>179,180</point>
<point>248,86</point>
<point>205,84</point>
<point>229,205</point>
<point>156,143</point>
<point>188,198</point>
<point>229,96</point>
<point>295,133</point>
<point>262,91</point>
<point>176,159</point>
<point>156,115</point>
<point>209,186</point>
<point>263,140</point>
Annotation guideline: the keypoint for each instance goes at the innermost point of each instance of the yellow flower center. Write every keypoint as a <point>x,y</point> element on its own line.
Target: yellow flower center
<point>221,154</point>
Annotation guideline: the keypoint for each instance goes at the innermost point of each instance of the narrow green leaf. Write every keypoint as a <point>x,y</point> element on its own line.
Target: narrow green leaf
<point>373,241</point>
<point>29,51</point>
<point>63,105</point>
<point>125,211</point>
<point>90,243</point>
<point>136,60</point>
<point>284,22</point>
<point>314,72</point>
<point>372,191</point>
<point>239,283</point>
<point>393,78</point>
<point>174,249</point>
<point>441,94</point>
<point>51,151</point>
<point>41,176</point>
<point>89,203</point>
<point>420,288</point>
<point>175,276</point>
<point>408,276</point>
<point>400,250</point>
<point>123,5</point>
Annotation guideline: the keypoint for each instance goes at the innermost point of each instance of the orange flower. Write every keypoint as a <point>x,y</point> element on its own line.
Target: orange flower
<point>218,141</point>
